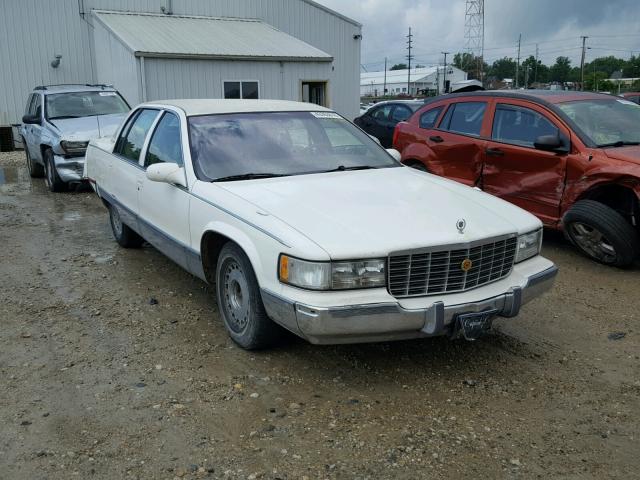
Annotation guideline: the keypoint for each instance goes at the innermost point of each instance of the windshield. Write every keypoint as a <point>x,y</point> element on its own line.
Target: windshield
<point>606,122</point>
<point>282,143</point>
<point>83,104</point>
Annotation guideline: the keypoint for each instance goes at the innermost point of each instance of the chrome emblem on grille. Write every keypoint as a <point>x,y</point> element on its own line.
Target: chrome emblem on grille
<point>466,265</point>
<point>461,225</point>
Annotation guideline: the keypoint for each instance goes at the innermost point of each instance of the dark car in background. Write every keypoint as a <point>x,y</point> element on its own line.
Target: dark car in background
<point>632,97</point>
<point>381,119</point>
<point>570,158</point>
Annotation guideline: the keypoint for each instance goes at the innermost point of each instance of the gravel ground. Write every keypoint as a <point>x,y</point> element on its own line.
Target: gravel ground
<point>115,364</point>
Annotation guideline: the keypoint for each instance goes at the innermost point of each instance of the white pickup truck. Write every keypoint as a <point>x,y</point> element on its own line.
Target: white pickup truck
<point>303,222</point>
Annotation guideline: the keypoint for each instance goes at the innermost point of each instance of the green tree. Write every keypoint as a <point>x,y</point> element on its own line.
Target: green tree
<point>537,72</point>
<point>503,68</point>
<point>471,64</point>
<point>632,67</point>
<point>607,65</point>
<point>561,70</point>
<point>399,66</point>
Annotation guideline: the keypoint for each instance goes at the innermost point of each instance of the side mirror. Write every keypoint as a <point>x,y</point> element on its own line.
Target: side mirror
<point>550,143</point>
<point>394,153</point>
<point>375,139</point>
<point>167,173</point>
<point>31,119</point>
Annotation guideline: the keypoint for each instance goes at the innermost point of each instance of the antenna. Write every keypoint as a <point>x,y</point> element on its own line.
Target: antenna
<point>474,32</point>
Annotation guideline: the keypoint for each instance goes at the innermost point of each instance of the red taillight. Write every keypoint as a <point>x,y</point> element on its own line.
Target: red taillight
<point>396,134</point>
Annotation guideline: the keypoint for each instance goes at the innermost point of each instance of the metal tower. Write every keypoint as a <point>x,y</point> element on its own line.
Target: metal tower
<point>474,32</point>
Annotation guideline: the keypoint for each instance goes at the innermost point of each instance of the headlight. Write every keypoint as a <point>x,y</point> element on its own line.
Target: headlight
<point>529,245</point>
<point>341,275</point>
<point>74,147</point>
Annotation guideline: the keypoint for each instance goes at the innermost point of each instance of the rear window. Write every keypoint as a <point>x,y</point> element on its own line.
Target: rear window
<point>465,118</point>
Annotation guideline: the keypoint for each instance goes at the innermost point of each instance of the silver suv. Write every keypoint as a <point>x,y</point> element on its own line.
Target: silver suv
<point>58,123</point>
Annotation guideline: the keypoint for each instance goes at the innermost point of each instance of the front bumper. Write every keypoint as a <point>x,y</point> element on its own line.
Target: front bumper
<point>390,321</point>
<point>69,168</point>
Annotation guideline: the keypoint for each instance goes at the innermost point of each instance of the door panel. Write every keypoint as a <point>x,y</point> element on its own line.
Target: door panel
<point>457,143</point>
<point>518,172</point>
<point>163,207</point>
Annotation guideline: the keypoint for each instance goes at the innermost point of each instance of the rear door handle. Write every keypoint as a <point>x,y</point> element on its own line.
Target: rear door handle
<point>494,152</point>
<point>436,138</point>
<point>139,185</point>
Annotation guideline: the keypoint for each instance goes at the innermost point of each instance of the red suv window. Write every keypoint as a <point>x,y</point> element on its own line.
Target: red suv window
<point>465,118</point>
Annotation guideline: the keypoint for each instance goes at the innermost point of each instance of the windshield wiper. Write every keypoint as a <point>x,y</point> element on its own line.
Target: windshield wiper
<point>342,168</point>
<point>249,176</point>
<point>619,143</point>
<point>62,117</point>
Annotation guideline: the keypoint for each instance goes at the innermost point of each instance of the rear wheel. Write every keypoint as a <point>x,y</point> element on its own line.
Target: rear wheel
<point>53,181</point>
<point>124,235</point>
<point>601,233</point>
<point>240,303</point>
<point>36,170</point>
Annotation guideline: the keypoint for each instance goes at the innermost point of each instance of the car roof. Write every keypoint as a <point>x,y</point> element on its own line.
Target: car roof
<point>193,107</point>
<point>48,89</point>
<point>548,96</point>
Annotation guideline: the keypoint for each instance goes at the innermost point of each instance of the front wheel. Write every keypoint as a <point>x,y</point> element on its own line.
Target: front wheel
<point>36,170</point>
<point>53,181</point>
<point>601,233</point>
<point>240,303</point>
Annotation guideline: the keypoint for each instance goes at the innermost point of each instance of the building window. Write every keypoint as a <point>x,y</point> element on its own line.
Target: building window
<point>246,90</point>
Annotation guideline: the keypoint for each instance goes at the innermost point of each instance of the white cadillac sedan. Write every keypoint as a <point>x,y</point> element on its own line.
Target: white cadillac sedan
<point>303,222</point>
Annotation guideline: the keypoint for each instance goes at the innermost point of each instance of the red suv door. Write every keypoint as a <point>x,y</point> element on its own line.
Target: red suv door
<point>514,169</point>
<point>457,143</point>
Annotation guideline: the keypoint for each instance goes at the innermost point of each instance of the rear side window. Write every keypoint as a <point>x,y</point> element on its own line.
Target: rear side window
<point>429,118</point>
<point>520,126</point>
<point>381,113</point>
<point>134,134</point>
<point>165,145</point>
<point>401,113</point>
<point>465,118</point>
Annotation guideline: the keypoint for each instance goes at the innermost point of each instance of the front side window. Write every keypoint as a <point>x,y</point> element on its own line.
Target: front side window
<point>465,118</point>
<point>245,90</point>
<point>280,144</point>
<point>83,104</point>
<point>401,113</point>
<point>165,145</point>
<point>429,118</point>
<point>520,126</point>
<point>608,122</point>
<point>382,113</point>
<point>134,134</point>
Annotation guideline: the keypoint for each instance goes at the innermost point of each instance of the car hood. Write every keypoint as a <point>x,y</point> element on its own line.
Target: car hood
<point>626,154</point>
<point>88,128</point>
<point>368,213</point>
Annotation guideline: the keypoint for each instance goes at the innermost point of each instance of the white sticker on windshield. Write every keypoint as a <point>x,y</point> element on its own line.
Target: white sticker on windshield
<point>627,102</point>
<point>325,115</point>
<point>107,94</point>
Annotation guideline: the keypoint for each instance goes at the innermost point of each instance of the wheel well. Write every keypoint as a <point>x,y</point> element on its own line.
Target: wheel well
<point>44,148</point>
<point>210,247</point>
<point>621,199</point>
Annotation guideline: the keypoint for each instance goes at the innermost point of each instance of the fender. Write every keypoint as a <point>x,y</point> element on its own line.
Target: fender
<point>586,184</point>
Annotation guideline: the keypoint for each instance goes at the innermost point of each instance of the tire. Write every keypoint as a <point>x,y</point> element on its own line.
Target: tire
<point>240,303</point>
<point>601,233</point>
<point>51,178</point>
<point>124,235</point>
<point>36,170</point>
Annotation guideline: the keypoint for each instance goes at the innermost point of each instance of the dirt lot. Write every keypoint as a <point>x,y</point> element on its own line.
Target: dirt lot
<point>97,380</point>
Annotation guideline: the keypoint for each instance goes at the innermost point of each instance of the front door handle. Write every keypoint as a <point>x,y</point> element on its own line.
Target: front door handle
<point>139,185</point>
<point>494,152</point>
<point>436,138</point>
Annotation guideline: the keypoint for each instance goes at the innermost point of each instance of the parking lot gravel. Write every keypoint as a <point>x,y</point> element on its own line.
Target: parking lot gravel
<point>115,364</point>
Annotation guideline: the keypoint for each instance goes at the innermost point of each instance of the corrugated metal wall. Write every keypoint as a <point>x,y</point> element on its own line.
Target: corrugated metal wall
<point>32,31</point>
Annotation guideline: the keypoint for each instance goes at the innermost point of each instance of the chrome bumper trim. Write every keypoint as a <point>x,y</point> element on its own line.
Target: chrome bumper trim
<point>390,321</point>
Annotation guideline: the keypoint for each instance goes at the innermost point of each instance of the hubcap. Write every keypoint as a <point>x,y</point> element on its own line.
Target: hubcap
<point>236,296</point>
<point>116,222</point>
<point>592,241</point>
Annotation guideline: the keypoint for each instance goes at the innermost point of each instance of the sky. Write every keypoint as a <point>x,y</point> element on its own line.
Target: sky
<point>613,27</point>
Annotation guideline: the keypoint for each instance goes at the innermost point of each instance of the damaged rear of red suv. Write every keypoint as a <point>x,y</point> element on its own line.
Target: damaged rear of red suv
<point>570,158</point>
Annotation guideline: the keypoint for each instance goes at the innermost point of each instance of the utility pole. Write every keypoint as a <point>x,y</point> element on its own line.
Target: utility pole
<point>384,89</point>
<point>518,62</point>
<point>584,49</point>
<point>535,74</point>
<point>444,79</point>
<point>526,77</point>
<point>409,58</point>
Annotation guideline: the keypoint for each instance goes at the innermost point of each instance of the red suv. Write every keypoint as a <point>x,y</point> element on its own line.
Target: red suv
<point>570,158</point>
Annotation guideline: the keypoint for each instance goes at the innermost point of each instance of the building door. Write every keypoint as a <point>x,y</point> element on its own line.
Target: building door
<point>315,92</point>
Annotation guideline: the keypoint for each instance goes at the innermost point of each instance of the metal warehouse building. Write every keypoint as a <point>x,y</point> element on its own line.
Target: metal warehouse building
<point>155,49</point>
<point>428,79</point>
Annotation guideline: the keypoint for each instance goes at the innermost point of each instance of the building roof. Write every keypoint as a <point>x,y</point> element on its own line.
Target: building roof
<point>396,76</point>
<point>182,36</point>
<point>217,106</point>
